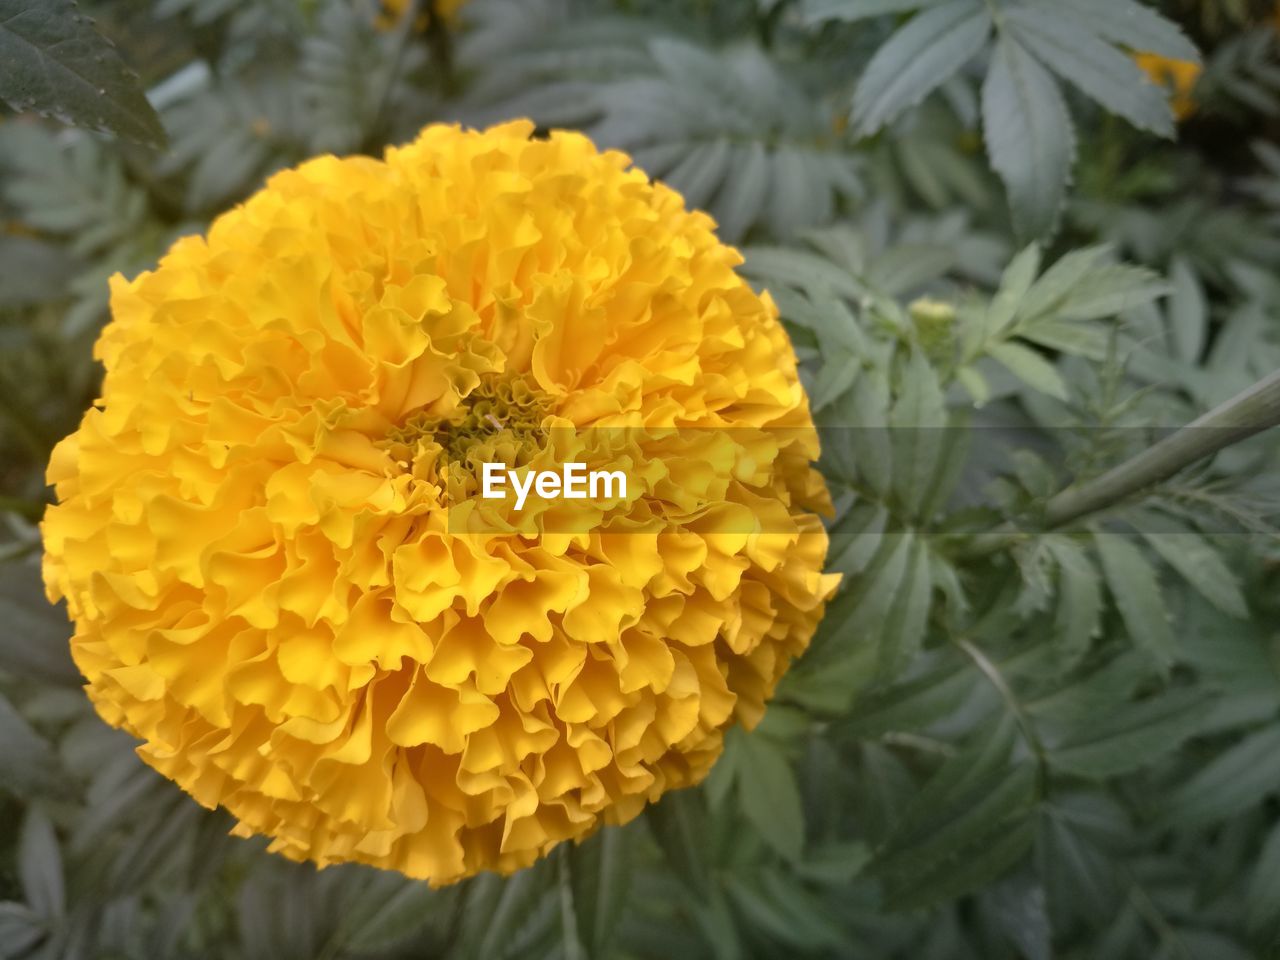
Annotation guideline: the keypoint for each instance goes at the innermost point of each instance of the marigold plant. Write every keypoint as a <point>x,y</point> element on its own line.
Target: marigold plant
<point>276,585</point>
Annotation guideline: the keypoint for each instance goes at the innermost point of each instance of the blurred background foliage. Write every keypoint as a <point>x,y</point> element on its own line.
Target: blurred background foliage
<point>1056,219</point>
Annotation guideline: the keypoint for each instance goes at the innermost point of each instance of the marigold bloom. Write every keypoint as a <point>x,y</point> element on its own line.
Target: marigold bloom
<point>1179,77</point>
<point>254,539</point>
<point>393,10</point>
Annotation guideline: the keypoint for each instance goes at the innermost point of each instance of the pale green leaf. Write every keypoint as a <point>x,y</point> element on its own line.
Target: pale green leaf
<point>1029,137</point>
<point>918,59</point>
<point>1093,66</point>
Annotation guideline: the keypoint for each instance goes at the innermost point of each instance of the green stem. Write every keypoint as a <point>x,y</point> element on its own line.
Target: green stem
<point>1251,412</point>
<point>1244,415</point>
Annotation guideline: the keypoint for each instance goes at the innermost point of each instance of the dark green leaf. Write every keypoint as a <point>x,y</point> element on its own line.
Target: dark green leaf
<point>52,60</point>
<point>40,866</point>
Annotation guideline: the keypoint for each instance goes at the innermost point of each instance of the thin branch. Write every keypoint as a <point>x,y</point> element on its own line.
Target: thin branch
<point>1251,412</point>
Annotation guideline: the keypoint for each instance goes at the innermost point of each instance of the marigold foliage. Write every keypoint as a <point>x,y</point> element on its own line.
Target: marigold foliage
<point>253,540</point>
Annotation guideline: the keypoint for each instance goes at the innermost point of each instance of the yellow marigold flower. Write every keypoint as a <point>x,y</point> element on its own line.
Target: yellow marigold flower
<point>271,587</point>
<point>1179,77</point>
<point>393,10</point>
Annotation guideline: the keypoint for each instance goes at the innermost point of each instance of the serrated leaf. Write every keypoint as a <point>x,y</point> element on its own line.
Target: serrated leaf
<point>909,617</point>
<point>52,60</point>
<point>769,795</point>
<point>1049,295</point>
<point>968,825</point>
<point>1093,66</point>
<point>28,765</point>
<point>744,193</point>
<point>1129,24</point>
<point>1017,908</point>
<point>1030,367</point>
<point>1233,782</point>
<point>679,824</point>
<point>600,877</point>
<point>1077,838</point>
<point>1014,284</point>
<point>1110,290</point>
<point>815,11</point>
<point>917,59</point>
<point>1188,312</point>
<point>33,635</point>
<point>1029,137</point>
<point>1079,607</point>
<point>910,706</point>
<point>40,866</point>
<point>786,910</point>
<point>393,917</point>
<point>918,421</point>
<point>1261,917</point>
<point>1130,737</point>
<point>1196,560</point>
<point>1132,581</point>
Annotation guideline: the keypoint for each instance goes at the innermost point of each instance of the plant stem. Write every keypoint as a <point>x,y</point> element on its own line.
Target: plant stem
<point>1248,413</point>
<point>1254,410</point>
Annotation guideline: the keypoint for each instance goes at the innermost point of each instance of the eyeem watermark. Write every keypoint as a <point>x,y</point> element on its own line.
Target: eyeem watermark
<point>573,482</point>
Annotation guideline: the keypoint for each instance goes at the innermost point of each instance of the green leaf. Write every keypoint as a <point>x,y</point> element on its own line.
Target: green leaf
<point>33,271</point>
<point>917,59</point>
<point>769,795</point>
<point>1136,592</point>
<point>40,866</point>
<point>855,540</point>
<point>1016,906</point>
<point>969,825</point>
<point>918,420</point>
<point>1014,284</point>
<point>859,615</point>
<point>904,631</point>
<point>1029,137</point>
<point>680,825</point>
<point>53,61</point>
<point>1079,610</point>
<point>1065,279</point>
<point>1079,838</point>
<point>33,634</point>
<point>1110,290</point>
<point>1130,737</point>
<point>600,871</point>
<point>1235,781</point>
<point>20,928</point>
<point>745,191</point>
<point>1129,24</point>
<point>1188,312</point>
<point>1261,917</point>
<point>783,908</point>
<point>815,11</point>
<point>912,705</point>
<point>1093,66</point>
<point>1030,367</point>
<point>28,765</point>
<point>390,914</point>
<point>1196,560</point>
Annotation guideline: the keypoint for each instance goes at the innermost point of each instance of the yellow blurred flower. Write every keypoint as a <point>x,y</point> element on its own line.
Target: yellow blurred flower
<point>1179,77</point>
<point>272,587</point>
<point>393,10</point>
